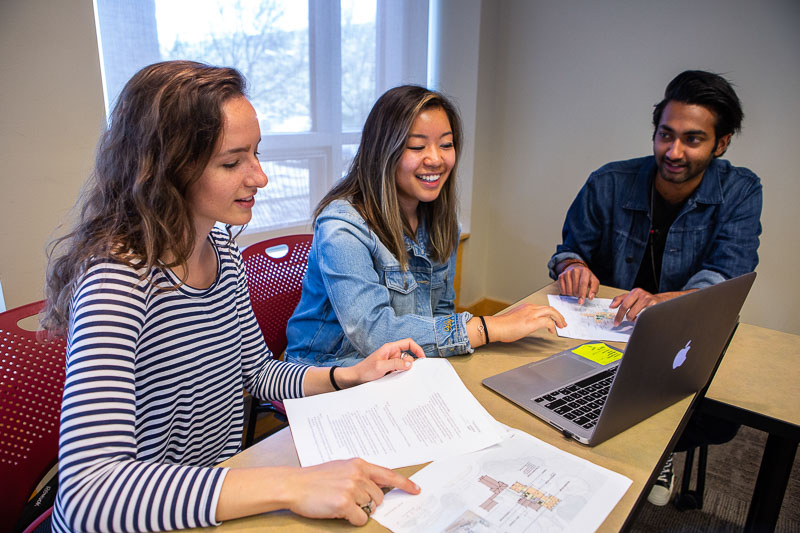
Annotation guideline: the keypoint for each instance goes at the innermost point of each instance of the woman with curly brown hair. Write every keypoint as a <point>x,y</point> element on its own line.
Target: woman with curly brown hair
<point>161,336</point>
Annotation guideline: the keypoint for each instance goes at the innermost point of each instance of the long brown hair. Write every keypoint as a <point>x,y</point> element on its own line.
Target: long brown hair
<point>160,136</point>
<point>370,184</point>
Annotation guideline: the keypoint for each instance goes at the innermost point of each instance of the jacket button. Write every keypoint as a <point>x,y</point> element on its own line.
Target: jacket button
<point>629,259</point>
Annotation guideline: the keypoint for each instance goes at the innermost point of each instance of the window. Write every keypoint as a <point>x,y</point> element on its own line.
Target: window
<point>313,68</point>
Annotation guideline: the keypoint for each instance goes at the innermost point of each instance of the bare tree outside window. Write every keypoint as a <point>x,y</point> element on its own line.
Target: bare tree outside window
<point>271,54</point>
<point>312,68</point>
<point>358,62</point>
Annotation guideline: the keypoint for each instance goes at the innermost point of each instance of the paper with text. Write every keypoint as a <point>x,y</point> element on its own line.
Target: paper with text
<point>592,321</point>
<point>402,419</point>
<point>519,485</point>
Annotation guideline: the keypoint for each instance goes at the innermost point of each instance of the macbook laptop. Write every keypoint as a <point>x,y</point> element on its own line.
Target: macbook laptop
<point>672,353</point>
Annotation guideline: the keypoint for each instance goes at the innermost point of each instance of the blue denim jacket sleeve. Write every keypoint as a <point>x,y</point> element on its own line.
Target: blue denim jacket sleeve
<point>446,305</point>
<point>734,247</point>
<point>582,233</point>
<point>346,253</point>
<point>557,258</point>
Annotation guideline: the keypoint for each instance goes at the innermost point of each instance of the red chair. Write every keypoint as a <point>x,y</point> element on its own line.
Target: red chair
<point>42,524</point>
<point>31,385</point>
<point>275,270</point>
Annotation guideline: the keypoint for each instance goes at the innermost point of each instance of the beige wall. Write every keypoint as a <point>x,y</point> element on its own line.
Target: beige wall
<point>567,86</point>
<point>555,89</point>
<point>51,111</point>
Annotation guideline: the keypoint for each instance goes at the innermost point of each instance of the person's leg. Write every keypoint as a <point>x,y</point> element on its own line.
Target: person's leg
<point>701,429</point>
<point>706,429</point>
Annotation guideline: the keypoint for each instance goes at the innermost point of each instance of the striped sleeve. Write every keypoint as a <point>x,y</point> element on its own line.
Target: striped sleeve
<point>102,485</point>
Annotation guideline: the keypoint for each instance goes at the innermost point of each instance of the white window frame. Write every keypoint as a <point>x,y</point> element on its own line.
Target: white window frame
<point>401,57</point>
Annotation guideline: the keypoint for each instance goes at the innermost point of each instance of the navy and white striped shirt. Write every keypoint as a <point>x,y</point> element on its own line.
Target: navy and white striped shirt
<point>153,395</point>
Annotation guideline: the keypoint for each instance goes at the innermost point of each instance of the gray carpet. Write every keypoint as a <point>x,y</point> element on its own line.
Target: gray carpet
<point>730,479</point>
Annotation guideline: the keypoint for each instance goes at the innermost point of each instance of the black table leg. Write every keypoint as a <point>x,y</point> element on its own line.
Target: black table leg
<point>773,476</point>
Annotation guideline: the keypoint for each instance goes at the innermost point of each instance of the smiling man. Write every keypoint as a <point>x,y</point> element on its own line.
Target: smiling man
<point>678,220</point>
<point>666,224</point>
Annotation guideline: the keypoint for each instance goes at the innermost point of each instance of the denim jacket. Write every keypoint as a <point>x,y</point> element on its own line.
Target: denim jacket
<point>714,237</point>
<point>356,297</point>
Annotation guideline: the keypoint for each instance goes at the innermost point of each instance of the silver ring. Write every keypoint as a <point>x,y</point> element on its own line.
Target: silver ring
<point>368,508</point>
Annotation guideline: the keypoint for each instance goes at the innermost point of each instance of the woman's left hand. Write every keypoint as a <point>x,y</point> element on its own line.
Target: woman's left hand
<point>390,357</point>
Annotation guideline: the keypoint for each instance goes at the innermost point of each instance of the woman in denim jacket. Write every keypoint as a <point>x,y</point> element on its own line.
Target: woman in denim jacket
<point>383,259</point>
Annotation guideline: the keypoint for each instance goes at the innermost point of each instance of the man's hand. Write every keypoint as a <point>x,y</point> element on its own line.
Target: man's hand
<point>576,279</point>
<point>637,300</point>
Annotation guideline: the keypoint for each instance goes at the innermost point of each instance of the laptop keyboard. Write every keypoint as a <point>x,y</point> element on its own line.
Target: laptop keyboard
<point>582,401</point>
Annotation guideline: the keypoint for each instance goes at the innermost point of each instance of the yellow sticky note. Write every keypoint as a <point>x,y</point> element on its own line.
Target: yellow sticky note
<point>598,352</point>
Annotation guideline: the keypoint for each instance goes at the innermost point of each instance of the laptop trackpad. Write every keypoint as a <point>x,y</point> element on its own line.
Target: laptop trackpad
<point>555,371</point>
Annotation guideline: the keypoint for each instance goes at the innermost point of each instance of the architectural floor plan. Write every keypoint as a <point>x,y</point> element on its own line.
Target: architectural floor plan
<point>521,484</point>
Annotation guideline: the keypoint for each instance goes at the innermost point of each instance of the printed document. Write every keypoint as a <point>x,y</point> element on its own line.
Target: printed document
<point>592,321</point>
<point>403,419</point>
<point>521,484</point>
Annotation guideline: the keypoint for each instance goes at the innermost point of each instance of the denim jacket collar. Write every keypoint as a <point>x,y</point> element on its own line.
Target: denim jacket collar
<point>710,189</point>
<point>708,192</point>
<point>418,247</point>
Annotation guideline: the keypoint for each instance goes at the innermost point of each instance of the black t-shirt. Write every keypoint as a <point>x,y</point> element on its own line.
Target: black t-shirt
<point>662,215</point>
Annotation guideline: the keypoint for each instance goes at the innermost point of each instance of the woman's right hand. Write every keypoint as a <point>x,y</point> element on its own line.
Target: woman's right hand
<point>521,321</point>
<point>339,489</point>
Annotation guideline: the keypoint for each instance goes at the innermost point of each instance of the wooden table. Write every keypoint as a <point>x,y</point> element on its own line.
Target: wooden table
<point>637,453</point>
<point>757,385</point>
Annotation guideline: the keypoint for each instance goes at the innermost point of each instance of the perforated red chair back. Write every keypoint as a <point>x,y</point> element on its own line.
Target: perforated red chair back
<point>31,385</point>
<point>275,270</point>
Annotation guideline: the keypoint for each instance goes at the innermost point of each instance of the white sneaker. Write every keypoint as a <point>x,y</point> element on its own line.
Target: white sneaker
<point>661,493</point>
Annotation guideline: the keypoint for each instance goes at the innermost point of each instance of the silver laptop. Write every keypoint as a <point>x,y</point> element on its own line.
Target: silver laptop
<point>672,353</point>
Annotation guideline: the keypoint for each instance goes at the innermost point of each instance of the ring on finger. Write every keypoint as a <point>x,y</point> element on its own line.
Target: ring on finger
<point>369,507</point>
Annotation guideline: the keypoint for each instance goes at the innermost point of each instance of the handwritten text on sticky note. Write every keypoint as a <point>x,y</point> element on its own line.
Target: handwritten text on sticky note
<point>598,352</point>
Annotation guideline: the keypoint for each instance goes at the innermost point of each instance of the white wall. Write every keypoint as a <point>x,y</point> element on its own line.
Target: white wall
<point>567,86</point>
<point>51,112</point>
<point>456,26</point>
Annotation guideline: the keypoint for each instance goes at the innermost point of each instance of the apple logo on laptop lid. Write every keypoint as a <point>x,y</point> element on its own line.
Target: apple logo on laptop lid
<point>680,357</point>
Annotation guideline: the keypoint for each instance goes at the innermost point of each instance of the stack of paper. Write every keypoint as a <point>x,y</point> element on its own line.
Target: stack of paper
<point>484,476</point>
<point>403,419</point>
<point>521,484</point>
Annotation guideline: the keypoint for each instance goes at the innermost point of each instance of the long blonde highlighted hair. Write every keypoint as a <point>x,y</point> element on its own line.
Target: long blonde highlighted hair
<point>370,183</point>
